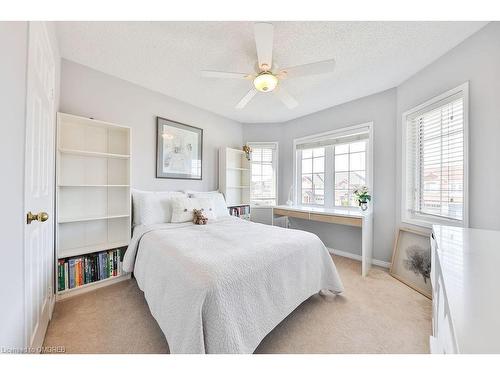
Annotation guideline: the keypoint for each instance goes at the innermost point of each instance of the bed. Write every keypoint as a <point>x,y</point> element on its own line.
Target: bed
<point>222,287</point>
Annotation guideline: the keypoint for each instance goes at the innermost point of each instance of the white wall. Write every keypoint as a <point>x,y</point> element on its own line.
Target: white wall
<point>90,93</point>
<point>14,39</point>
<point>379,109</point>
<point>476,60</point>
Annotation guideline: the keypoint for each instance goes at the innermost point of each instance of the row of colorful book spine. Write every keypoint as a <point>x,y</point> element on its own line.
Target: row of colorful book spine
<point>85,269</point>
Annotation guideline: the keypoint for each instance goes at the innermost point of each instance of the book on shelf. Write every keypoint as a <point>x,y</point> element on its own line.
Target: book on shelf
<point>71,273</point>
<point>65,275</point>
<point>60,273</point>
<point>77,271</point>
<point>78,278</point>
<point>114,263</point>
<point>74,274</point>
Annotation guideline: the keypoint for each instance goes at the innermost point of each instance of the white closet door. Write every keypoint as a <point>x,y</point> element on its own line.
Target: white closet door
<point>39,184</point>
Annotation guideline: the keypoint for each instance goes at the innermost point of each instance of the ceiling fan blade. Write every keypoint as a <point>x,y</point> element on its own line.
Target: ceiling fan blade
<point>286,98</point>
<point>216,74</point>
<point>320,67</point>
<point>264,33</point>
<point>246,99</point>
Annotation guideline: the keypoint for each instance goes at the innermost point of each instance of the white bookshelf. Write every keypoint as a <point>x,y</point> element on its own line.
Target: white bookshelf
<point>92,188</point>
<point>234,176</point>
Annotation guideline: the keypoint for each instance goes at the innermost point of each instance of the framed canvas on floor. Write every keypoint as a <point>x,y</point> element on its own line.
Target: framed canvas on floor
<point>411,260</point>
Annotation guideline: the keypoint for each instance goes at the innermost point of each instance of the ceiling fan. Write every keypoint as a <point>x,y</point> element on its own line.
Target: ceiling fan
<point>268,76</point>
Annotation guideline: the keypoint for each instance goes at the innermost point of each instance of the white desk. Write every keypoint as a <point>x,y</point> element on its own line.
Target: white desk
<point>343,216</point>
<point>465,290</point>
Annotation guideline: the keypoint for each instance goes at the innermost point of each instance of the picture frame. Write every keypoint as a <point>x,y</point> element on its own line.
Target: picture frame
<point>179,150</point>
<point>411,260</point>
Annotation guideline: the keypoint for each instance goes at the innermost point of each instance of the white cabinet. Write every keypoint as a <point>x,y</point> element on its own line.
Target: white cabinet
<point>442,340</point>
<point>234,176</point>
<point>465,290</point>
<point>92,186</point>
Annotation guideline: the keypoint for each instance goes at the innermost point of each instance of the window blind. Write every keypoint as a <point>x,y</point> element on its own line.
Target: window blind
<point>435,160</point>
<point>337,140</point>
<point>263,172</point>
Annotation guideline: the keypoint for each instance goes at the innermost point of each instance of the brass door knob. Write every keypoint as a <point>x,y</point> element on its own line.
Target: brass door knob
<point>41,216</point>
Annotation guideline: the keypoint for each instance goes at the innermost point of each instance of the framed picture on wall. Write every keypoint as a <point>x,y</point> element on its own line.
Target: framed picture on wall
<point>179,150</point>
<point>411,260</point>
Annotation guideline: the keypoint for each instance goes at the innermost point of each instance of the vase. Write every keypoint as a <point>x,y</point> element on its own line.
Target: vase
<point>363,206</point>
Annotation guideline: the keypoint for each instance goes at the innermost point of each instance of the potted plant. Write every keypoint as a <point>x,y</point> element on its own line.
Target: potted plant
<point>362,197</point>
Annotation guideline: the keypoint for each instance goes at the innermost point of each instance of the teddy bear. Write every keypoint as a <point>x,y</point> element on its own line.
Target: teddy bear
<point>199,217</point>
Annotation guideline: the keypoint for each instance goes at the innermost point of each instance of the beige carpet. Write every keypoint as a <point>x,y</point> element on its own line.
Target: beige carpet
<point>377,314</point>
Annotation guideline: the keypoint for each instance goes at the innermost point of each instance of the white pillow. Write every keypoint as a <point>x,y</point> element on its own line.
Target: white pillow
<point>152,207</point>
<point>182,209</point>
<point>218,201</point>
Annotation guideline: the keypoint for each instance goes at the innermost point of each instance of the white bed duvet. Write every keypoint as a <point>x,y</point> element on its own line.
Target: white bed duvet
<point>222,287</point>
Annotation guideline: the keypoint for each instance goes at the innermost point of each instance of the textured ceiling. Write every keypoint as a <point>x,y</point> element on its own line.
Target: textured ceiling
<point>167,57</point>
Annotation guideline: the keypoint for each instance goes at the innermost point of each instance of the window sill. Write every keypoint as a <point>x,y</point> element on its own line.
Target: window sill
<point>429,222</point>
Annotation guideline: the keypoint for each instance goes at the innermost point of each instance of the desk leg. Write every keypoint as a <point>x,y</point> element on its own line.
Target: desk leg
<point>278,217</point>
<point>366,244</point>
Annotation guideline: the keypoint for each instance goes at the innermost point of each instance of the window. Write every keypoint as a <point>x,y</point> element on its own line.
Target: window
<point>313,176</point>
<point>264,166</point>
<point>350,171</point>
<point>330,166</point>
<point>435,157</point>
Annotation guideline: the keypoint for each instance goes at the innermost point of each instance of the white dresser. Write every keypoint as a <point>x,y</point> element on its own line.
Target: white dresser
<point>465,279</point>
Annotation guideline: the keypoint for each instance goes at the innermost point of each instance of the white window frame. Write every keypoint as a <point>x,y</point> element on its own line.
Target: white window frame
<point>275,164</point>
<point>329,160</point>
<point>423,220</point>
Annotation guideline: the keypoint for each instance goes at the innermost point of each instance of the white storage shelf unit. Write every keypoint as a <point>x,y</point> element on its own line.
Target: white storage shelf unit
<point>93,186</point>
<point>234,176</point>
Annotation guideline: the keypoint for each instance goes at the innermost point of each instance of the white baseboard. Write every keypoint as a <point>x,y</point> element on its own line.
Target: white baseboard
<point>381,263</point>
<point>346,254</point>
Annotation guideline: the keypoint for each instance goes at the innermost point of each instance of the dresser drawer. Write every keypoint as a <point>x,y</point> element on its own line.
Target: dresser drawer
<point>446,337</point>
<point>438,310</point>
<point>351,221</point>
<point>435,346</point>
<point>443,340</point>
<point>433,259</point>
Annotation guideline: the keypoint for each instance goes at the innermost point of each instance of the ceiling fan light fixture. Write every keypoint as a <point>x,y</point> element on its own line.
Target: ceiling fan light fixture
<point>265,82</point>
